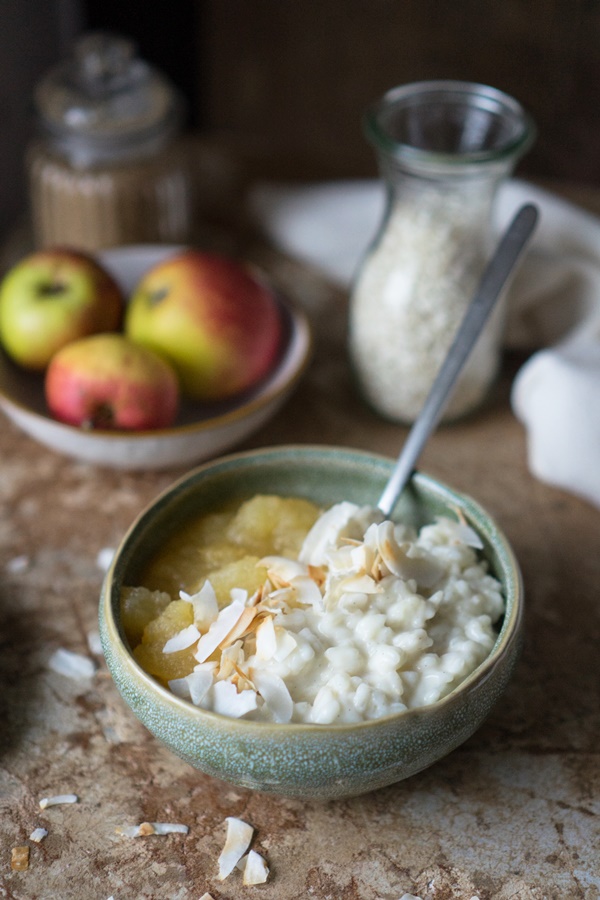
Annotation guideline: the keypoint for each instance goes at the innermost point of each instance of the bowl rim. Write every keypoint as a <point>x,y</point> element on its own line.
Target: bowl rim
<point>509,631</point>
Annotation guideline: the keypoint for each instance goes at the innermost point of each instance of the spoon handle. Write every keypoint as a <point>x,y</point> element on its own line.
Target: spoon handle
<point>490,287</point>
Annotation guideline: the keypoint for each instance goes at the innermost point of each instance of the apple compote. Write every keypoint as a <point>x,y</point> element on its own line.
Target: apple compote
<point>223,547</point>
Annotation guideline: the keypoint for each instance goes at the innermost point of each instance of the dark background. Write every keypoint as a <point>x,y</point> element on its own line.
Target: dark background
<point>286,83</point>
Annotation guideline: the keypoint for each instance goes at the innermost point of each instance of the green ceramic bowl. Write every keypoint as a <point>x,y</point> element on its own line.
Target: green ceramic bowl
<point>309,761</point>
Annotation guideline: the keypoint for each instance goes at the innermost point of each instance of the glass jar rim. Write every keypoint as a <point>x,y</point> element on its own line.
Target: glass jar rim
<point>469,94</point>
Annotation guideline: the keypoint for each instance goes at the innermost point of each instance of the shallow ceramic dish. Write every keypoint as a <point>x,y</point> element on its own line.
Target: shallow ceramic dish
<point>311,761</point>
<point>199,433</point>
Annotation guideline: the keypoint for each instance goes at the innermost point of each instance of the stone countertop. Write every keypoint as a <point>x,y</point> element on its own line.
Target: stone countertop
<point>513,813</point>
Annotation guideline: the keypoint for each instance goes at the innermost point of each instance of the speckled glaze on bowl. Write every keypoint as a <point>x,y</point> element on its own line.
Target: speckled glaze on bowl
<point>309,761</point>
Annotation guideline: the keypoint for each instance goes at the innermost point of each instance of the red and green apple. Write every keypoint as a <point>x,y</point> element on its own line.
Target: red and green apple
<point>106,381</point>
<point>52,297</point>
<point>212,318</point>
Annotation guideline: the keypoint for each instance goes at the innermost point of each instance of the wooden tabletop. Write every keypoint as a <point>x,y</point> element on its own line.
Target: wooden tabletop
<point>513,813</point>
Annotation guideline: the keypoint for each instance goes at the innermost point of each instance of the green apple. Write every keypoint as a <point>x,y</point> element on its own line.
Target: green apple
<point>53,297</point>
<point>212,318</point>
<point>107,381</point>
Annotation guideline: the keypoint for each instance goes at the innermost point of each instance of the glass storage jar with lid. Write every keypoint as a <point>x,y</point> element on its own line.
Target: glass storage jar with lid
<point>109,166</point>
<point>443,149</point>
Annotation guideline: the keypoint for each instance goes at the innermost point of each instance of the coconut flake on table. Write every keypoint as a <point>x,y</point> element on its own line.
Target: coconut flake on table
<point>38,835</point>
<point>104,558</point>
<point>58,800</point>
<point>19,858</point>
<point>254,868</point>
<point>239,835</point>
<point>17,564</point>
<point>145,829</point>
<point>71,664</point>
<point>94,643</point>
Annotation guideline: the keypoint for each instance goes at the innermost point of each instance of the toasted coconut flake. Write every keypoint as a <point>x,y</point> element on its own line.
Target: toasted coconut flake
<point>256,870</point>
<point>71,665</point>
<point>327,532</point>
<point>180,687</point>
<point>38,835</point>
<point>241,627</point>
<point>317,574</point>
<point>239,835</point>
<point>145,829</point>
<point>360,584</point>
<point>199,682</point>
<point>228,702</point>
<point>257,596</point>
<point>206,606</point>
<point>463,532</point>
<point>277,600</point>
<point>286,642</point>
<point>388,549</point>
<point>307,591</point>
<point>170,828</point>
<point>182,640</point>
<point>266,639</point>
<point>132,831</point>
<point>58,800</point>
<point>242,680</point>
<point>274,692</point>
<point>194,686</point>
<point>282,569</point>
<point>363,557</point>
<point>207,896</point>
<point>405,560</point>
<point>19,859</point>
<point>219,630</point>
<point>262,613</point>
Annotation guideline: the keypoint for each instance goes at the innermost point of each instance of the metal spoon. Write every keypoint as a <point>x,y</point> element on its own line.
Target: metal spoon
<point>494,278</point>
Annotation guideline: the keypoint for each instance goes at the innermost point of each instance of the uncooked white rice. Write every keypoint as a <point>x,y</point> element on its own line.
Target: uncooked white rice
<point>409,298</point>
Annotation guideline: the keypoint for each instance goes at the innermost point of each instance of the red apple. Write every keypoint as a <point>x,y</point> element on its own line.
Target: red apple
<point>107,381</point>
<point>212,318</point>
<point>51,298</point>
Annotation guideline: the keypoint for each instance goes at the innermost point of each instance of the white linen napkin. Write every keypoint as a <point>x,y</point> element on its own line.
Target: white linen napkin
<point>553,305</point>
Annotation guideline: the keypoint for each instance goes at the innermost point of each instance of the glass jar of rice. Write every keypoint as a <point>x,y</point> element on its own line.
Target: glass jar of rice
<point>443,148</point>
<point>109,166</point>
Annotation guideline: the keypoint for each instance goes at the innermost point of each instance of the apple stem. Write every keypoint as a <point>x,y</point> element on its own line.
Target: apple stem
<point>51,290</point>
<point>157,296</point>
